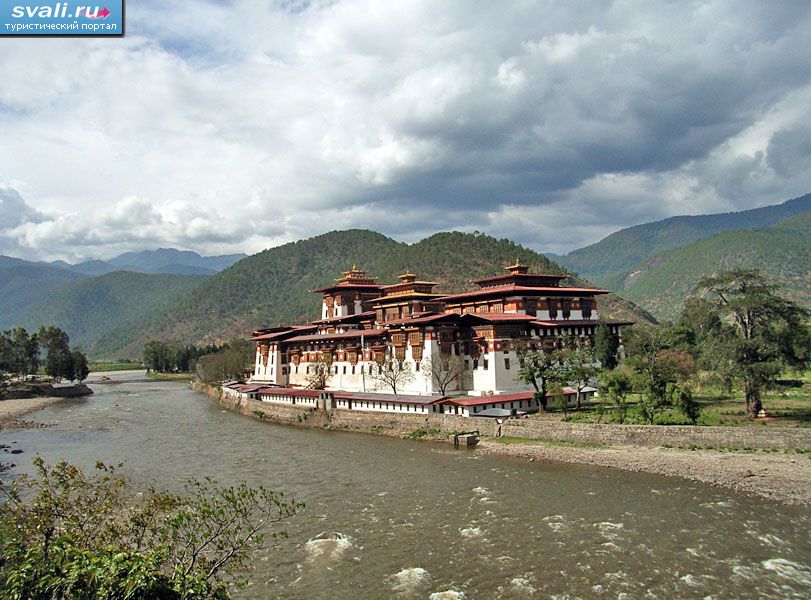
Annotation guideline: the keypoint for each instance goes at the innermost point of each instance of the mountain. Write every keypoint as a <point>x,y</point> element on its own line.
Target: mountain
<point>661,283</point>
<point>272,287</point>
<point>24,283</point>
<point>612,258</point>
<point>170,260</point>
<point>163,260</point>
<point>93,305</point>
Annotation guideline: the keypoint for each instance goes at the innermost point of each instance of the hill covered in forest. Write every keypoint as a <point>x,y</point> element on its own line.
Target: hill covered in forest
<point>782,251</point>
<point>273,286</point>
<point>89,307</point>
<point>611,259</point>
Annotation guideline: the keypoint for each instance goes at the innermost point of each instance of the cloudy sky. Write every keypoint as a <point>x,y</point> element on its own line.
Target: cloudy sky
<point>234,126</point>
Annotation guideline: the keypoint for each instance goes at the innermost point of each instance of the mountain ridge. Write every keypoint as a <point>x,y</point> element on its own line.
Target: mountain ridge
<point>618,253</point>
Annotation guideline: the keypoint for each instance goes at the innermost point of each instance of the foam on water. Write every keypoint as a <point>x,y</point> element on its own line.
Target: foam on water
<point>330,546</point>
<point>448,595</point>
<point>690,580</point>
<point>482,491</point>
<point>788,569</point>
<point>522,584</point>
<point>771,540</point>
<point>408,580</point>
<point>470,532</point>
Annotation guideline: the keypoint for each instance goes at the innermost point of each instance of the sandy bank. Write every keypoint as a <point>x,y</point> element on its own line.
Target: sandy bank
<point>777,476</point>
<point>10,410</point>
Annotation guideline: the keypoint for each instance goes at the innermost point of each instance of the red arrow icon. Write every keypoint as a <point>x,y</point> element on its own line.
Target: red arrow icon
<point>100,14</point>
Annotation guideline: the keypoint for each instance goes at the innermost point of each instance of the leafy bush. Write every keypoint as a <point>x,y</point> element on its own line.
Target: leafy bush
<point>66,535</point>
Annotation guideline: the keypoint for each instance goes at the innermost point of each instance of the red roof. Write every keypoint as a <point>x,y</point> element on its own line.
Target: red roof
<point>355,333</point>
<point>496,399</point>
<point>281,334</point>
<point>300,392</point>
<point>578,323</point>
<point>422,320</point>
<point>502,316</point>
<point>355,317</point>
<point>522,289</point>
<point>519,276</point>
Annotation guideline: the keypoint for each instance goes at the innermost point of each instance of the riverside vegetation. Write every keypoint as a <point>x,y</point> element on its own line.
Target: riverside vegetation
<point>738,332</point>
<point>65,534</point>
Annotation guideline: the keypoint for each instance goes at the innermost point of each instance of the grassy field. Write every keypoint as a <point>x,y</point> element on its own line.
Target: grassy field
<point>106,367</point>
<point>786,406</point>
<point>170,376</point>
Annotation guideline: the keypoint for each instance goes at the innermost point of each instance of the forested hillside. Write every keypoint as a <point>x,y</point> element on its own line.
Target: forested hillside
<point>23,284</point>
<point>273,287</point>
<point>782,251</point>
<point>92,306</point>
<point>608,261</point>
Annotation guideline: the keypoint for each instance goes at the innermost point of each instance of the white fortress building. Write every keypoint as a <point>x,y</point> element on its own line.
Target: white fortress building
<point>367,328</point>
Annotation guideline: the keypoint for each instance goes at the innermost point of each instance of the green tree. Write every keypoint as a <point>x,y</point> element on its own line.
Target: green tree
<point>606,346</point>
<point>67,535</point>
<point>656,364</point>
<point>539,368</point>
<point>58,362</point>
<point>761,334</point>
<point>80,367</point>
<point>578,369</point>
<point>158,356</point>
<point>614,386</point>
<point>682,398</point>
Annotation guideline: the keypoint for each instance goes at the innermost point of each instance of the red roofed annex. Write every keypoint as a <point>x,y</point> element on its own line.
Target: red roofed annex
<point>364,323</point>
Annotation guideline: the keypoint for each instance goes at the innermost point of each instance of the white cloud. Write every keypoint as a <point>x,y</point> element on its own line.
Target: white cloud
<point>227,126</point>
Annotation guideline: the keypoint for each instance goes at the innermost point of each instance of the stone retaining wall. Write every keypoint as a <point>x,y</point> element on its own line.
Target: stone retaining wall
<point>403,425</point>
<point>682,436</point>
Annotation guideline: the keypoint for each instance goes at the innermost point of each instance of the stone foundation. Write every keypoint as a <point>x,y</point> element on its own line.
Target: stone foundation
<point>403,425</point>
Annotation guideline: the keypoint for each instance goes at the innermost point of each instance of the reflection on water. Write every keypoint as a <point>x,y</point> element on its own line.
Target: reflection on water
<point>400,519</point>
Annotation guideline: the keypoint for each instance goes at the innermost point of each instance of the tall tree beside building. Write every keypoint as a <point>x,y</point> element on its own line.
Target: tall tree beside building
<point>760,335</point>
<point>606,346</point>
<point>444,370</point>
<point>391,373</point>
<point>540,369</point>
<point>320,372</point>
<point>578,369</point>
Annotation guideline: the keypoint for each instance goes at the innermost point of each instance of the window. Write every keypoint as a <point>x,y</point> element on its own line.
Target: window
<point>507,363</point>
<point>353,369</point>
<point>485,364</point>
<point>284,370</point>
<point>344,369</point>
<point>475,363</point>
<point>417,366</point>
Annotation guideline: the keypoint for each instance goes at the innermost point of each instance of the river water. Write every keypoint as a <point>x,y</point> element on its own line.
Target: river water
<point>390,518</point>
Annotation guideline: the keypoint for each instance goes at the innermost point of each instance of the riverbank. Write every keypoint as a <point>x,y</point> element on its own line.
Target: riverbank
<point>11,410</point>
<point>785,477</point>
<point>770,463</point>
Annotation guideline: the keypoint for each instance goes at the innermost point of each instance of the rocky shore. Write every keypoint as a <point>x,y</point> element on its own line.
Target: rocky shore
<point>785,477</point>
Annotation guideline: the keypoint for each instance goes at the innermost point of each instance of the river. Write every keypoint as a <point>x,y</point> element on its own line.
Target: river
<point>389,518</point>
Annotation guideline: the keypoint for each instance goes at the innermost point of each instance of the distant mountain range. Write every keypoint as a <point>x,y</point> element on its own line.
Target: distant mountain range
<point>613,258</point>
<point>162,260</point>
